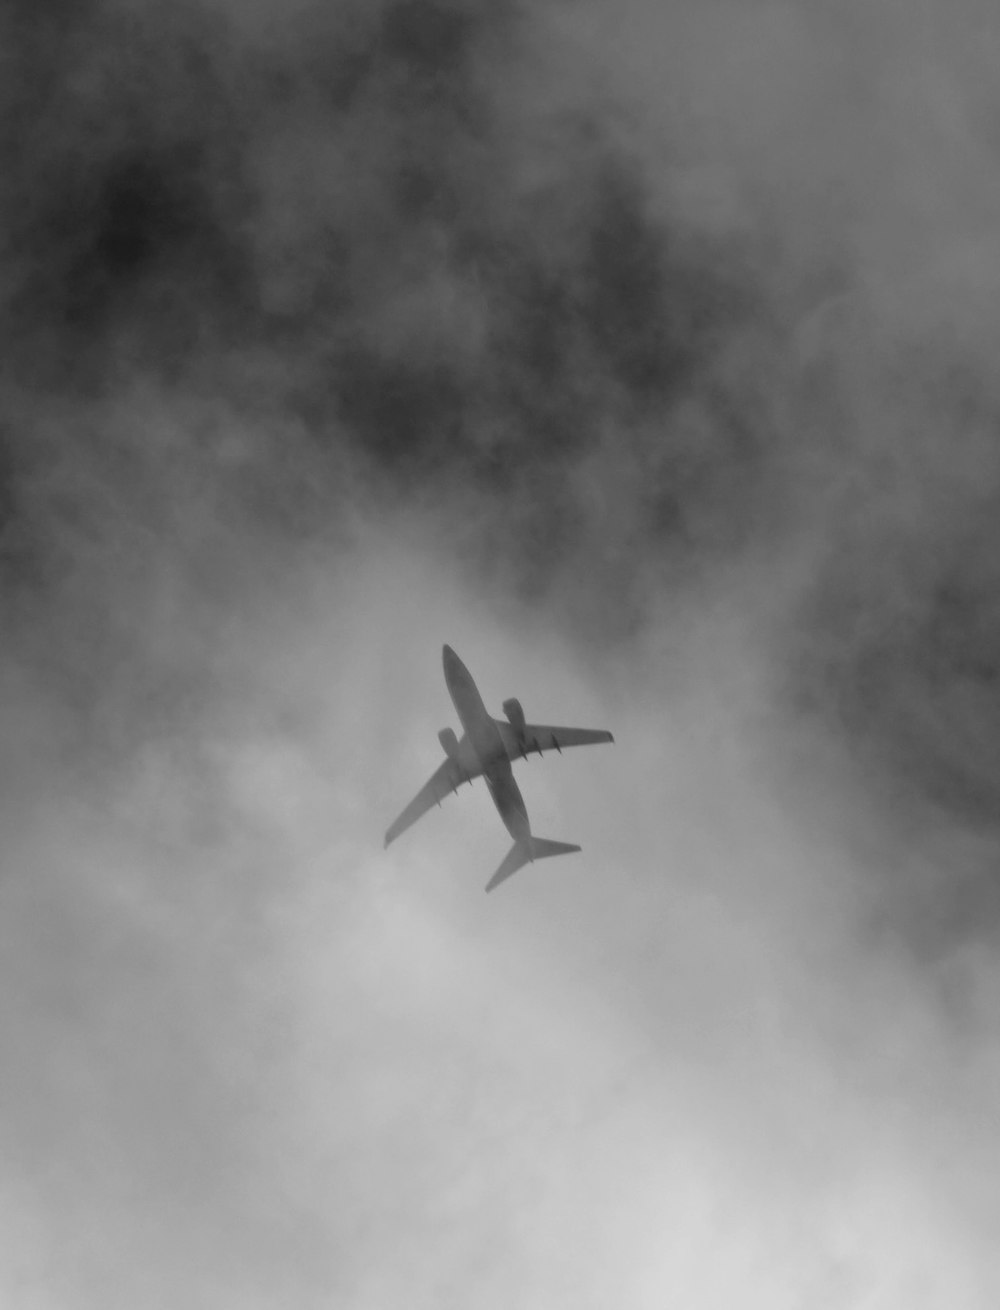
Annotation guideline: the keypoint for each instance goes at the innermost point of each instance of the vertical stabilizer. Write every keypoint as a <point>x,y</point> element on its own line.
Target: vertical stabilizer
<point>536,848</point>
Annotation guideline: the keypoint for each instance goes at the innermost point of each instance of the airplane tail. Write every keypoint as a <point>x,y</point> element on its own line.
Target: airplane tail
<point>536,848</point>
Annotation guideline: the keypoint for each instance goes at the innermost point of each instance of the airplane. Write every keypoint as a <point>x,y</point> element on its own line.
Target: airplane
<point>487,748</point>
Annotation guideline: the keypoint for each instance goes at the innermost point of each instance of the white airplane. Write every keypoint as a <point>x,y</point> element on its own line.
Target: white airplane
<point>487,748</point>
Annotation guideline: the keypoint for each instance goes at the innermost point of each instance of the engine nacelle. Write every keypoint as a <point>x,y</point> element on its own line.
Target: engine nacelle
<point>449,742</point>
<point>515,715</point>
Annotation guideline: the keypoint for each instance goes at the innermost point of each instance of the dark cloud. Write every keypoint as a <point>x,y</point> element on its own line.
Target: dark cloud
<point>361,216</point>
<point>332,333</point>
<point>346,231</point>
<point>393,280</point>
<point>899,623</point>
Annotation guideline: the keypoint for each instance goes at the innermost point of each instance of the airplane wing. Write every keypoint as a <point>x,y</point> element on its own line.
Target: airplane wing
<point>448,777</point>
<point>540,737</point>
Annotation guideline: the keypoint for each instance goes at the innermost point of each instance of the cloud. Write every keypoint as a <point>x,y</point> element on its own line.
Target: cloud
<point>264,1059</point>
<point>646,358</point>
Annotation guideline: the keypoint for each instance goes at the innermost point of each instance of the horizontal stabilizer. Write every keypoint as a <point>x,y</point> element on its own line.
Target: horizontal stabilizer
<point>536,848</point>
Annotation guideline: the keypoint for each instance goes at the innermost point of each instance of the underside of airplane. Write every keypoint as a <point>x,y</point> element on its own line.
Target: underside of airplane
<point>488,748</point>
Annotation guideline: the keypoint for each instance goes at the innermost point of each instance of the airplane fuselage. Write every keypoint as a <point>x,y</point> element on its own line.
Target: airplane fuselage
<point>485,739</point>
<point>487,749</point>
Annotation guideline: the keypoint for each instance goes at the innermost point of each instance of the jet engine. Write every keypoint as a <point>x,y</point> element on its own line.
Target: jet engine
<point>515,715</point>
<point>449,742</point>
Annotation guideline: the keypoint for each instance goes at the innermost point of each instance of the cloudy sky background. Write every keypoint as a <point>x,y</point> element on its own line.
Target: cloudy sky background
<point>645,353</point>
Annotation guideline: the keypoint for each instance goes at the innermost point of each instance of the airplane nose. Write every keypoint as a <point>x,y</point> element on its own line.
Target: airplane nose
<point>453,666</point>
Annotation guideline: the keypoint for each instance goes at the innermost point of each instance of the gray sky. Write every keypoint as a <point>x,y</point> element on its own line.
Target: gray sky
<point>645,354</point>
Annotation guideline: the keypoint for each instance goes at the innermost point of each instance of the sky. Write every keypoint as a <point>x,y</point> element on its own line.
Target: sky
<point>644,353</point>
